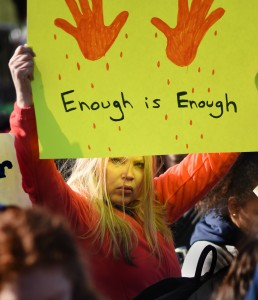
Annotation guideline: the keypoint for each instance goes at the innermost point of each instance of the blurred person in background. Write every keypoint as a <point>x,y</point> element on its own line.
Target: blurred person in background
<point>231,215</point>
<point>241,274</point>
<point>39,258</point>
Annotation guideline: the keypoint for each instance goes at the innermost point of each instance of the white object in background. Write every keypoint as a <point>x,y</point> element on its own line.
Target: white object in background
<point>11,191</point>
<point>256,191</point>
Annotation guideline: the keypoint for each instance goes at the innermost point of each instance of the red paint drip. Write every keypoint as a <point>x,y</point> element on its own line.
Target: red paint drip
<point>158,64</point>
<point>176,137</point>
<point>59,77</point>
<point>66,56</point>
<point>199,69</point>
<point>89,147</point>
<point>92,85</point>
<point>121,54</point>
<point>126,36</point>
<point>107,66</point>
<point>215,32</point>
<point>166,117</point>
<point>213,72</point>
<point>168,82</point>
<point>94,125</point>
<point>109,149</point>
<point>156,34</point>
<point>201,136</point>
<point>209,90</point>
<point>191,122</point>
<point>119,128</point>
<point>187,146</point>
<point>55,36</point>
<point>193,90</point>
<point>78,66</point>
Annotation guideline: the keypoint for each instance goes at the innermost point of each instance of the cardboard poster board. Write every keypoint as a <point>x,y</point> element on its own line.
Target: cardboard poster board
<point>117,78</point>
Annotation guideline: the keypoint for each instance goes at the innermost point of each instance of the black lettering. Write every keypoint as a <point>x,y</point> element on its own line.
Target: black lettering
<point>3,165</point>
<point>82,103</point>
<point>201,104</point>
<point>65,103</point>
<point>146,102</point>
<point>95,105</point>
<point>220,105</point>
<point>125,101</point>
<point>192,102</point>
<point>230,103</point>
<point>208,104</point>
<point>181,101</point>
<point>102,104</point>
<point>70,104</point>
<point>117,104</point>
<point>156,101</point>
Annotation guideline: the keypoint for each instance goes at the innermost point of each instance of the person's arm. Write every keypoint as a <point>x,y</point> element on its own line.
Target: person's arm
<point>183,185</point>
<point>40,177</point>
<point>21,66</point>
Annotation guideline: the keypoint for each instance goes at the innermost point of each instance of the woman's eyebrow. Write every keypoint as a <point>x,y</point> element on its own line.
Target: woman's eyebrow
<point>141,160</point>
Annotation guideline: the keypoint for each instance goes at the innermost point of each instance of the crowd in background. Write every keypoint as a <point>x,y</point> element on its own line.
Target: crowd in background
<point>12,33</point>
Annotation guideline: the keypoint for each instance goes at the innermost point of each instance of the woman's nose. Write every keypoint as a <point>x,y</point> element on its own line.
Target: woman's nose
<point>128,174</point>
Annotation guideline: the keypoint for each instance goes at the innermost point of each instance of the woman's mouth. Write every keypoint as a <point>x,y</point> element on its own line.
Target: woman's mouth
<point>125,189</point>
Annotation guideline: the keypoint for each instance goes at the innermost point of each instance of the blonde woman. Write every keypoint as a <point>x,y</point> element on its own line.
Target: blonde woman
<point>117,209</point>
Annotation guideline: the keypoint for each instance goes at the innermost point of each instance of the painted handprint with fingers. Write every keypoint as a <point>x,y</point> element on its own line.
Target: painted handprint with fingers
<point>183,40</point>
<point>93,36</point>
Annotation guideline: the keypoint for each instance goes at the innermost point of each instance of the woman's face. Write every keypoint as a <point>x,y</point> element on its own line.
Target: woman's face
<point>247,216</point>
<point>125,178</point>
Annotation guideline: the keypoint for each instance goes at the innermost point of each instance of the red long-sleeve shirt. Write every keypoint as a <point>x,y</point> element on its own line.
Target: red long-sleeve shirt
<point>180,187</point>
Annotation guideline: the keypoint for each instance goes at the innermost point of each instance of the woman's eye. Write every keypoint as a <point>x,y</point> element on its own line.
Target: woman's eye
<point>139,165</point>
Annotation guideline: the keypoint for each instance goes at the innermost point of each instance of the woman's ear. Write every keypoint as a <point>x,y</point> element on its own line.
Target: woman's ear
<point>233,208</point>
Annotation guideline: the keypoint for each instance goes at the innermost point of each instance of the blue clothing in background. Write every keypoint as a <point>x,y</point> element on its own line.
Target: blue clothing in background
<point>253,290</point>
<point>215,229</point>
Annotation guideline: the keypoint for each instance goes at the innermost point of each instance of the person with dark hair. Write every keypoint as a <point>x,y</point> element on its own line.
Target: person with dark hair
<point>239,278</point>
<point>39,258</point>
<point>115,206</point>
<point>231,215</point>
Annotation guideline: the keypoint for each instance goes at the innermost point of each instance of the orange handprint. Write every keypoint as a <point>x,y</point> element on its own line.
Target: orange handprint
<point>93,36</point>
<point>183,40</point>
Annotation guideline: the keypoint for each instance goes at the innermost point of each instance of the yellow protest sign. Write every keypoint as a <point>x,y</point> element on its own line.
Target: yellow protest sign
<point>11,191</point>
<point>149,77</point>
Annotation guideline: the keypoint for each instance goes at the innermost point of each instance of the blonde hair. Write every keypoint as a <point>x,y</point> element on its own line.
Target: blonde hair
<point>88,177</point>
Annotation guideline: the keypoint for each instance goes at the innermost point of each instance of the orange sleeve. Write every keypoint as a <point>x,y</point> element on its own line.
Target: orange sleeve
<point>40,177</point>
<point>183,185</point>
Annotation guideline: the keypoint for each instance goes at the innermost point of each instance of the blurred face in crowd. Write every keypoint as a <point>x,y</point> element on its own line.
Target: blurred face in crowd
<point>125,179</point>
<point>38,284</point>
<point>246,216</point>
